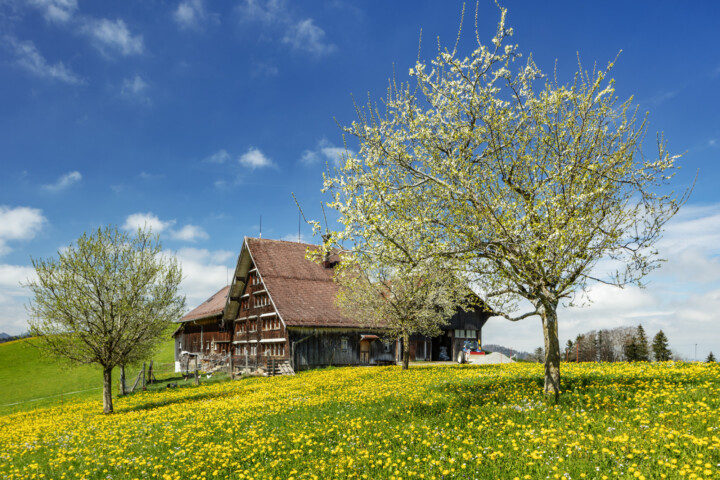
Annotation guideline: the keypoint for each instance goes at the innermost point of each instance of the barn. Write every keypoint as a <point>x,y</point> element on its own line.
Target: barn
<point>278,315</point>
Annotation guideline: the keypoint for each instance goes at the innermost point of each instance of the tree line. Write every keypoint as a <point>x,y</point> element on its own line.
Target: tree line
<point>621,344</point>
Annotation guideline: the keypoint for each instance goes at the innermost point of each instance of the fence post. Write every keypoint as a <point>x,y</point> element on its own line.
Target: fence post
<point>123,390</point>
<point>197,379</point>
<point>143,378</point>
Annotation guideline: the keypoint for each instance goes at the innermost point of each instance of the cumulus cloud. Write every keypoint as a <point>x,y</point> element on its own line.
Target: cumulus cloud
<point>31,60</point>
<point>64,182</point>
<point>19,223</point>
<point>146,220</point>
<point>254,158</point>
<point>306,36</point>
<point>191,15</point>
<point>13,317</point>
<point>57,11</point>
<point>293,237</point>
<point>274,15</point>
<point>134,86</point>
<point>221,156</point>
<point>113,36</point>
<point>204,272</point>
<point>324,152</point>
<point>187,233</point>
<point>267,12</point>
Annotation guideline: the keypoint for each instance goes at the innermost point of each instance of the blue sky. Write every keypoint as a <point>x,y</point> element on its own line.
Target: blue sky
<point>199,117</point>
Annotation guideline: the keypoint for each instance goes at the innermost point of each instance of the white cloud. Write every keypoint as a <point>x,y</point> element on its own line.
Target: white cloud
<point>19,223</point>
<point>134,85</point>
<point>254,158</point>
<point>221,156</point>
<point>305,35</point>
<point>190,14</point>
<point>204,272</point>
<point>268,12</point>
<point>114,36</point>
<point>29,58</point>
<point>59,11</point>
<point>325,151</point>
<point>12,275</point>
<point>64,182</point>
<point>13,316</point>
<point>293,237</point>
<point>146,220</point>
<point>302,35</point>
<point>189,233</point>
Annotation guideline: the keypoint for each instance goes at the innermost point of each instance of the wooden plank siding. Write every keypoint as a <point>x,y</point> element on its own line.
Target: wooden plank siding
<point>259,334</point>
<point>314,348</point>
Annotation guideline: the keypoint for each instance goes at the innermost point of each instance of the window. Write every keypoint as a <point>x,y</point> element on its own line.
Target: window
<point>274,350</point>
<point>244,303</point>
<point>344,344</point>
<point>253,349</point>
<point>386,346</point>
<point>262,300</point>
<point>271,324</point>
<point>252,325</point>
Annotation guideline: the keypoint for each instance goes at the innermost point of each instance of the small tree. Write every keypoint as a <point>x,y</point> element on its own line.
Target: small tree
<point>105,300</point>
<point>643,353</point>
<point>569,351</point>
<point>538,355</point>
<point>630,349</point>
<point>660,347</point>
<point>403,300</point>
<point>528,185</point>
<point>710,358</point>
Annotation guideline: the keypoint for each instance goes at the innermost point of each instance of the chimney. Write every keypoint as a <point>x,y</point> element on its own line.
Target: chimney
<point>326,251</point>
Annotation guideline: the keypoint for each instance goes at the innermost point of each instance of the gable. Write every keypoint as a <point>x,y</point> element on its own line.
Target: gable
<point>302,291</point>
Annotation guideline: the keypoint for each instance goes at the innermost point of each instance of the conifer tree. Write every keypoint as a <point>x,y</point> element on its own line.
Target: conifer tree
<point>631,349</point>
<point>710,358</point>
<point>643,354</point>
<point>660,347</point>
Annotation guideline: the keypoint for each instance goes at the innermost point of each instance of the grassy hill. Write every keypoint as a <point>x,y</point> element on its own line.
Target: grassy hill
<point>30,378</point>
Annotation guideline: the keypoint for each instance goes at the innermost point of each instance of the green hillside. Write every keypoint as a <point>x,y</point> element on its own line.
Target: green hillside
<point>30,378</point>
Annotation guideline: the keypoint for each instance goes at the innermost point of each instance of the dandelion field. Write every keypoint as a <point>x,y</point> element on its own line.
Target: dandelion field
<point>613,421</point>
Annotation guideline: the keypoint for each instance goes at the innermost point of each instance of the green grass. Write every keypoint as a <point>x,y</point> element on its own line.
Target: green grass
<point>29,378</point>
<point>633,421</point>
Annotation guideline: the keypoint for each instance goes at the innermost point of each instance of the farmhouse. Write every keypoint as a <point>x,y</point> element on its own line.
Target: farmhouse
<point>279,315</point>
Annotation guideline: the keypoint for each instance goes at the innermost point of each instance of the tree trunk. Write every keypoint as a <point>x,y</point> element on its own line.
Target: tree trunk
<point>123,389</point>
<point>406,351</point>
<point>107,390</point>
<point>552,351</point>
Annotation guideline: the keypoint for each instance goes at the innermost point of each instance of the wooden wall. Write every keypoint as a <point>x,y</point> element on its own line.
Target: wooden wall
<point>335,347</point>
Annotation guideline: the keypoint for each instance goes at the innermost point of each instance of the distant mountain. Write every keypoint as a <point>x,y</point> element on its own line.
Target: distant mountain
<point>4,336</point>
<point>506,351</point>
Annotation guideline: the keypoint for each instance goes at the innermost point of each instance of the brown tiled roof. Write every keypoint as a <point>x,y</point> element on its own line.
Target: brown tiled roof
<point>302,290</point>
<point>209,308</point>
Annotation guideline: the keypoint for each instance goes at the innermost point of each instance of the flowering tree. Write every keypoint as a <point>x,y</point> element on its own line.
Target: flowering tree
<point>528,186</point>
<point>105,300</point>
<point>402,300</point>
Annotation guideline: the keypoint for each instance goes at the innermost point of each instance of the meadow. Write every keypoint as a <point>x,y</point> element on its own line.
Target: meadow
<point>29,378</point>
<point>638,420</point>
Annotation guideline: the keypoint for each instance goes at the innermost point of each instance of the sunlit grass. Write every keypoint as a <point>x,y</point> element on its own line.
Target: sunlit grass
<point>613,420</point>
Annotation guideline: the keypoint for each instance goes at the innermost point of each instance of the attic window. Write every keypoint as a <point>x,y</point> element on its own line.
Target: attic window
<point>262,300</point>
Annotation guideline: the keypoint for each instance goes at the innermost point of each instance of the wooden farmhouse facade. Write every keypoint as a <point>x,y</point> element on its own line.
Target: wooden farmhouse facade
<point>279,315</point>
